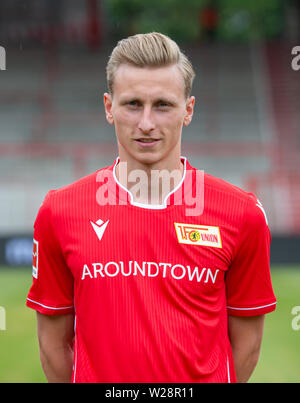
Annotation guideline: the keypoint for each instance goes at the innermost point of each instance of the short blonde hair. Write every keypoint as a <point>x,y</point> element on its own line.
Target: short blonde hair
<point>149,50</point>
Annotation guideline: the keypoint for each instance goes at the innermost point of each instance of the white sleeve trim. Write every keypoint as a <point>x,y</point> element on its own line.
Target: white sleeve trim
<point>49,307</point>
<point>250,309</point>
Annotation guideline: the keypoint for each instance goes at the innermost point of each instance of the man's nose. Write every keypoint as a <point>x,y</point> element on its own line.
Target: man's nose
<point>146,123</point>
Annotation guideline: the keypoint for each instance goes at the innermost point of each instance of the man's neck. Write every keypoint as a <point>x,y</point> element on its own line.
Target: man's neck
<point>149,184</point>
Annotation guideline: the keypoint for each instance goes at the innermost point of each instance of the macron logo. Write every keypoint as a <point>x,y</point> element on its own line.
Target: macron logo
<point>99,227</point>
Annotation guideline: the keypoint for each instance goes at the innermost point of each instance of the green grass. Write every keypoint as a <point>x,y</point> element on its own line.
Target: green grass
<point>19,355</point>
<point>280,353</point>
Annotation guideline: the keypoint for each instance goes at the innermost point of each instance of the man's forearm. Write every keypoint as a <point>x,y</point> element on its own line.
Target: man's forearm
<point>245,362</point>
<point>57,364</point>
<point>245,334</point>
<point>56,341</point>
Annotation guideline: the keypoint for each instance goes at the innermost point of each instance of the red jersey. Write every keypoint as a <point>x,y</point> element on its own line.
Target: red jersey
<point>151,286</point>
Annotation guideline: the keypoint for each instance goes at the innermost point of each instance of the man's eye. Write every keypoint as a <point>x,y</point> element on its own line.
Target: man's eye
<point>162,105</point>
<point>133,103</point>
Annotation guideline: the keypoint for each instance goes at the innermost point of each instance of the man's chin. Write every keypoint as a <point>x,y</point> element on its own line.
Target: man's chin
<point>144,157</point>
<point>148,158</point>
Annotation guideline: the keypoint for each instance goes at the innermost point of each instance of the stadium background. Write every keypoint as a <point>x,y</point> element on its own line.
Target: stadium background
<point>246,129</point>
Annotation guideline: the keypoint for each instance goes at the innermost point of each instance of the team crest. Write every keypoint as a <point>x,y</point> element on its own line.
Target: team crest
<point>202,235</point>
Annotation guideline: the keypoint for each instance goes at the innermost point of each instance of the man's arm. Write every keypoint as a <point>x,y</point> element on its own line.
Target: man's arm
<point>245,334</point>
<point>56,335</point>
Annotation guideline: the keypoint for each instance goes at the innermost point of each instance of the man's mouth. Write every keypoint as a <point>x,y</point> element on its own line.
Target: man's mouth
<point>147,142</point>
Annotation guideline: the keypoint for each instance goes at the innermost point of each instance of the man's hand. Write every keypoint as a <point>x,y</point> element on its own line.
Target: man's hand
<point>56,335</point>
<point>245,334</point>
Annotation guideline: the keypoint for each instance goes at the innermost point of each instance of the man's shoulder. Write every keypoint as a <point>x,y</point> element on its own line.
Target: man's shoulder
<point>236,201</point>
<point>227,189</point>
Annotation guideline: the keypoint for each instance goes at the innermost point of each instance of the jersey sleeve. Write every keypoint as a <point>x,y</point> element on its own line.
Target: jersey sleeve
<point>249,289</point>
<point>51,292</point>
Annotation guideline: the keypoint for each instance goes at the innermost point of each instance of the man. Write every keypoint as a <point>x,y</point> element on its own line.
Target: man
<point>149,270</point>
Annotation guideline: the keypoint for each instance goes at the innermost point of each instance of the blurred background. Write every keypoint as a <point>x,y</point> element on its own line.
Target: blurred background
<point>246,130</point>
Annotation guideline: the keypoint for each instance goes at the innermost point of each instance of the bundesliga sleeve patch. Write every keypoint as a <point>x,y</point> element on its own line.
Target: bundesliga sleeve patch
<point>35,259</point>
<point>201,235</point>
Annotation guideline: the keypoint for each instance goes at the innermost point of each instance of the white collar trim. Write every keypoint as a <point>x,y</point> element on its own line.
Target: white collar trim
<point>150,206</point>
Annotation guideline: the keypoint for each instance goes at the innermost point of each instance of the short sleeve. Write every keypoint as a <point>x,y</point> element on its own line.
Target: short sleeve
<point>51,292</point>
<point>249,289</point>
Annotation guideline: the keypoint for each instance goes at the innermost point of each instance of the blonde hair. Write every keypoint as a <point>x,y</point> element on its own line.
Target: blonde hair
<point>149,50</point>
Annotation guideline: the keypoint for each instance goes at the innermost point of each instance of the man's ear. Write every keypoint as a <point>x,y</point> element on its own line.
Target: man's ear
<point>189,111</point>
<point>107,99</point>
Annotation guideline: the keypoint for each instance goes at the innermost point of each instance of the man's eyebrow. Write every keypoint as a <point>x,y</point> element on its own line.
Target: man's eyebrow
<point>157,100</point>
<point>165,101</point>
<point>127,99</point>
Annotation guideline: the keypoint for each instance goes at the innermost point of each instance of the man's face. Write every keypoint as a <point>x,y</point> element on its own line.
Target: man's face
<point>148,109</point>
